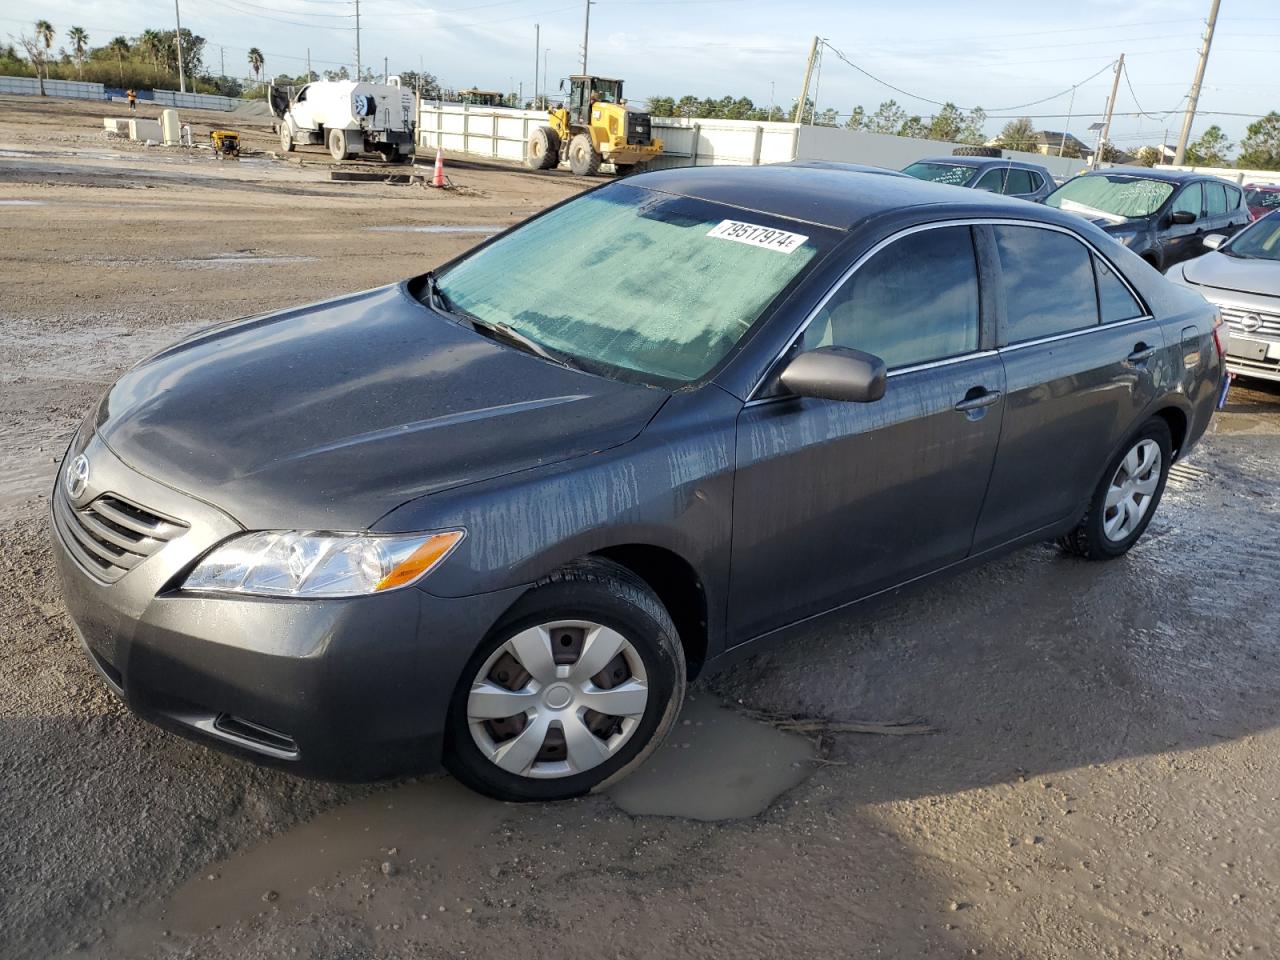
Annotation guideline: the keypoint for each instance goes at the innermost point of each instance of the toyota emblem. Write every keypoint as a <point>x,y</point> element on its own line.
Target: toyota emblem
<point>77,476</point>
<point>1250,323</point>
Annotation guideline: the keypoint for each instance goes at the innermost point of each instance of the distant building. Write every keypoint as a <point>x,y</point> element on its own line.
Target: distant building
<point>1049,143</point>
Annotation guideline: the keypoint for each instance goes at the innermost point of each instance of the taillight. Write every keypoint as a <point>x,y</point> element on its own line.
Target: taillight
<point>1217,335</point>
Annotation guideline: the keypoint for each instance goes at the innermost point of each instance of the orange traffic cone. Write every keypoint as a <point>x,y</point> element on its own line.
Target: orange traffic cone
<point>437,180</point>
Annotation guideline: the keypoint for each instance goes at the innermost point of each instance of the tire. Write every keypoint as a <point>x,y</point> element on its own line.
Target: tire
<point>977,152</point>
<point>388,154</point>
<point>544,149</point>
<point>286,138</point>
<point>592,601</point>
<point>1098,536</point>
<point>583,159</point>
<point>339,148</point>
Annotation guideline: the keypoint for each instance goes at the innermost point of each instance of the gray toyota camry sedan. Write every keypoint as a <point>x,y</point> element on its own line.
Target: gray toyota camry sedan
<point>495,517</point>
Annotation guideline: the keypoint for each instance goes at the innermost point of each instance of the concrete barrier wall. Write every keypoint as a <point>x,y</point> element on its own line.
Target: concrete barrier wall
<point>503,134</point>
<point>70,89</point>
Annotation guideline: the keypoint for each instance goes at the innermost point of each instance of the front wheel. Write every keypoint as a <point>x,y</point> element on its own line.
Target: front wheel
<point>1126,498</point>
<point>286,138</point>
<point>576,686</point>
<point>583,159</point>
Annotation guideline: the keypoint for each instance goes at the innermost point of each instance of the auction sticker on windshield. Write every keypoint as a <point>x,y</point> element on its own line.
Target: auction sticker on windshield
<point>757,236</point>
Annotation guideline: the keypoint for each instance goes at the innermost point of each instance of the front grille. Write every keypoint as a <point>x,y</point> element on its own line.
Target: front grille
<point>638,129</point>
<point>1235,319</point>
<point>111,535</point>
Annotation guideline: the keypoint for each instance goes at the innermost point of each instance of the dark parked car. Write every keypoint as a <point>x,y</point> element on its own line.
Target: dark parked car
<point>1261,199</point>
<point>497,515</point>
<point>1161,215</point>
<point>1242,277</point>
<point>1013,178</point>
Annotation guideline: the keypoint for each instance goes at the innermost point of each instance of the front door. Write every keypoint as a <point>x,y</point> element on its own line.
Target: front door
<point>834,501</point>
<point>1183,240</point>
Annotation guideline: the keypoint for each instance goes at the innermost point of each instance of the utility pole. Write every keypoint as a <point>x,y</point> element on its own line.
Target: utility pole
<point>1106,120</point>
<point>1194,97</point>
<point>1062,142</point>
<point>308,64</point>
<point>586,33</point>
<point>771,98</point>
<point>182,74</point>
<point>537,49</point>
<point>357,38</point>
<point>546,55</point>
<point>222,61</point>
<point>386,76</point>
<point>808,74</point>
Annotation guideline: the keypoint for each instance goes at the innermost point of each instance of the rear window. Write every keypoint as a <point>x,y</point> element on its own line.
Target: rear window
<point>1048,283</point>
<point>1115,302</point>
<point>1215,199</point>
<point>1267,199</point>
<point>950,173</point>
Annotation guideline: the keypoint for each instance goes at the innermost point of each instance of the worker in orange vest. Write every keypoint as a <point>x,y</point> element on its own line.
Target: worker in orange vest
<point>133,99</point>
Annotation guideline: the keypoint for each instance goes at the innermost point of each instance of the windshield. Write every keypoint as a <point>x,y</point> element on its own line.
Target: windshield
<point>950,173</point>
<point>632,280</point>
<point>1267,199</point>
<point>1261,241</point>
<point>1111,195</point>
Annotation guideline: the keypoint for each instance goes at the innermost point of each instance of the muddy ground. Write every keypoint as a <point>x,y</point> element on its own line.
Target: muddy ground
<point>1097,775</point>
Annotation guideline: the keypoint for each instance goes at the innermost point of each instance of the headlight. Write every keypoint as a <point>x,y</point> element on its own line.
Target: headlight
<point>291,563</point>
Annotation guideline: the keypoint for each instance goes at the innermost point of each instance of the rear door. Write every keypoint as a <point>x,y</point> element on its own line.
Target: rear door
<point>1079,351</point>
<point>834,501</point>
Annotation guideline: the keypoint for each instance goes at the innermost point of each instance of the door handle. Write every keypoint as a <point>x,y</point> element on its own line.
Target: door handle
<point>1141,354</point>
<point>973,400</point>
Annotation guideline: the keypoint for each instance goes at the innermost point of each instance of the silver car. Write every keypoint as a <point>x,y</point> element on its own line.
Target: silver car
<point>1242,276</point>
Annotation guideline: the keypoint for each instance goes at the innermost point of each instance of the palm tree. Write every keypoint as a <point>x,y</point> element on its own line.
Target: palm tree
<point>151,46</point>
<point>119,46</point>
<point>256,61</point>
<point>45,35</point>
<point>79,38</point>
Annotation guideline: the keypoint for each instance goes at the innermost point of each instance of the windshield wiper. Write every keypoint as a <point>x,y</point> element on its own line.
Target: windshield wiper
<point>498,331</point>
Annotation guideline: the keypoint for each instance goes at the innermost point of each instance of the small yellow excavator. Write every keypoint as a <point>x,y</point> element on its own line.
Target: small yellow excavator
<point>595,126</point>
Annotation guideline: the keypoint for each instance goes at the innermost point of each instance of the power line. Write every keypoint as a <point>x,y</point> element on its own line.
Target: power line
<point>940,103</point>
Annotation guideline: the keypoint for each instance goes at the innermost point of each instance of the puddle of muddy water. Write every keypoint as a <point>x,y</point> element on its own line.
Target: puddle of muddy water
<point>488,231</point>
<point>716,764</point>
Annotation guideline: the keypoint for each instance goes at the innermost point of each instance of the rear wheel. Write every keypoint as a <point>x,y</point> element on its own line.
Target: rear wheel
<point>583,159</point>
<point>339,145</point>
<point>1126,499</point>
<point>286,138</point>
<point>544,149</point>
<point>573,690</point>
<point>389,154</point>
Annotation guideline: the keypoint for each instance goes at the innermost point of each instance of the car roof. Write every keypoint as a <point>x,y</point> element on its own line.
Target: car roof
<point>1265,187</point>
<point>981,162</point>
<point>834,195</point>
<point>1149,173</point>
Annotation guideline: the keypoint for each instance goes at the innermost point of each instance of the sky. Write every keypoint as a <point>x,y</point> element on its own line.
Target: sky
<point>994,55</point>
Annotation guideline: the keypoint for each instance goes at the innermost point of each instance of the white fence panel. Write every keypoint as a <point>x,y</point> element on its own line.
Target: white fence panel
<point>1229,173</point>
<point>195,101</point>
<point>504,135</point>
<point>70,89</point>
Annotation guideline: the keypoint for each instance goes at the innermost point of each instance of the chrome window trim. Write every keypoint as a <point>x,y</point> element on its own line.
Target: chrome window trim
<point>937,225</point>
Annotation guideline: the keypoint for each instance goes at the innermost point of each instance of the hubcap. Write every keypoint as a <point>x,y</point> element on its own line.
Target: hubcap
<point>1132,489</point>
<point>557,699</point>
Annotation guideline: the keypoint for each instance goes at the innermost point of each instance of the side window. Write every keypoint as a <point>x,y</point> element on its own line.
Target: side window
<point>1018,182</point>
<point>1048,283</point>
<point>992,180</point>
<point>302,94</point>
<point>1115,302</point>
<point>1233,199</point>
<point>914,301</point>
<point>1215,199</point>
<point>1188,201</point>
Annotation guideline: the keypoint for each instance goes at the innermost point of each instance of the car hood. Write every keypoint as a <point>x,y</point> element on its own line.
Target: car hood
<point>1234,273</point>
<point>330,415</point>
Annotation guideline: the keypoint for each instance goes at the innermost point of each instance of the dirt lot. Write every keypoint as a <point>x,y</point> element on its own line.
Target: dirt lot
<point>1098,775</point>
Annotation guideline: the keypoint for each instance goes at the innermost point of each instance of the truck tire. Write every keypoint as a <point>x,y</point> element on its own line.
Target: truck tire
<point>389,153</point>
<point>544,149</point>
<point>286,137</point>
<point>977,152</point>
<point>583,159</point>
<point>339,148</point>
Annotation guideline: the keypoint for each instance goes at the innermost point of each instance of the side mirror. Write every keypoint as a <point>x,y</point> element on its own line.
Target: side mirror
<point>1214,240</point>
<point>1182,217</point>
<point>836,373</point>
<point>562,83</point>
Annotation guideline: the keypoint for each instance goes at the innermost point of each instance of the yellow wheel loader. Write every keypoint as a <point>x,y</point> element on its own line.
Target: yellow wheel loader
<point>595,126</point>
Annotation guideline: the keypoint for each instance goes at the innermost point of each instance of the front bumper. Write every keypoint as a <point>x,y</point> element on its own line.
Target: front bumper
<point>349,689</point>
